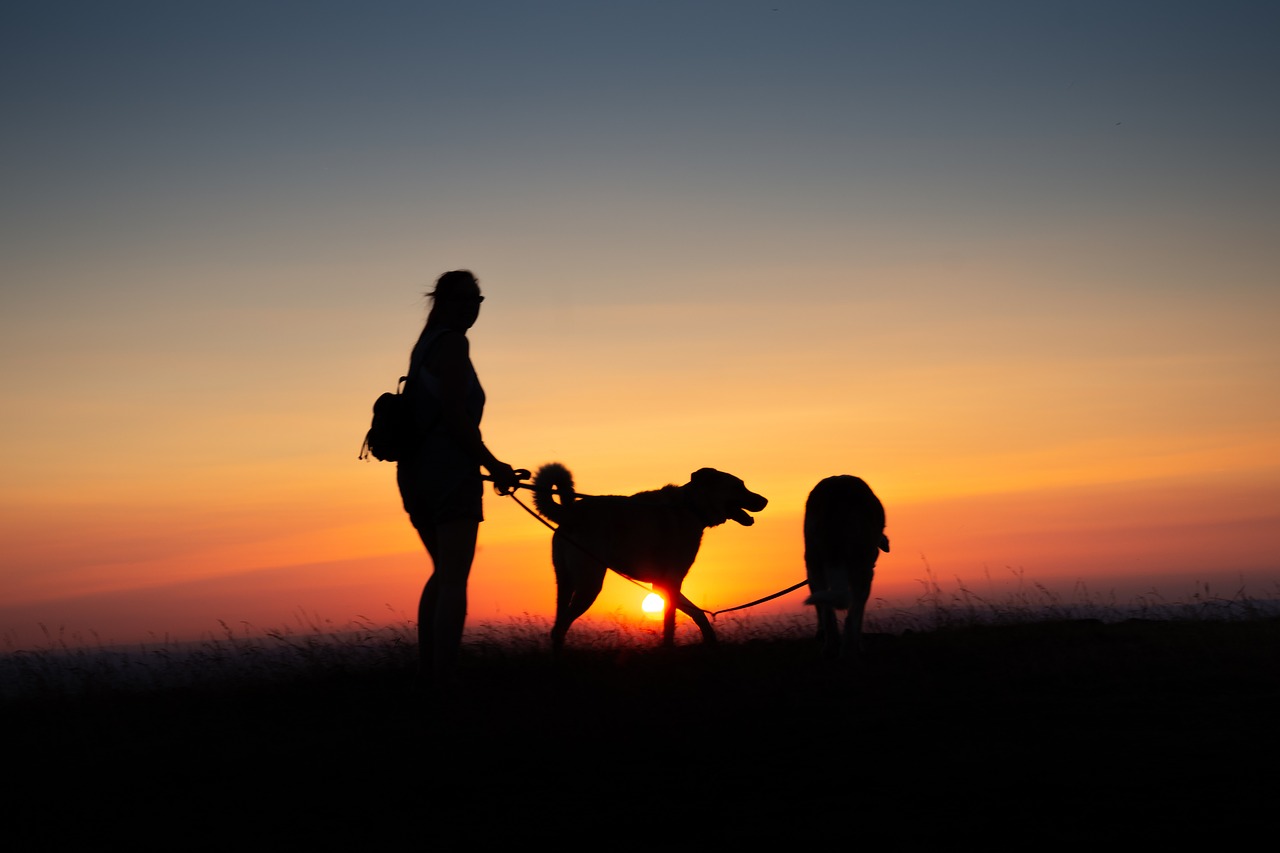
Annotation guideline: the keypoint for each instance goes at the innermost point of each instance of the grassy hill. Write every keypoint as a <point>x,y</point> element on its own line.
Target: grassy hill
<point>1007,734</point>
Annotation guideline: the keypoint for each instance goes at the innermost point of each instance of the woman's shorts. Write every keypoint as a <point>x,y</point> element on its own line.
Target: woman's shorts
<point>433,493</point>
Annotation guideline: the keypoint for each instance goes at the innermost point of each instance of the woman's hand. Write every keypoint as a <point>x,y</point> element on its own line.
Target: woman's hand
<point>505,478</point>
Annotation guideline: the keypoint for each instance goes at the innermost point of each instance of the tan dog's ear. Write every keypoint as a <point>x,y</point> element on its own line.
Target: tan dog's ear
<point>700,473</point>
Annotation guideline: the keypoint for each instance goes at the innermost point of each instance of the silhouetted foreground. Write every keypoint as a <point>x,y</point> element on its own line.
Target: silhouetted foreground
<point>1011,736</point>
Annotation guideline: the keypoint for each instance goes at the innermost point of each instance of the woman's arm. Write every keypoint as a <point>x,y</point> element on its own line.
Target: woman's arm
<point>450,363</point>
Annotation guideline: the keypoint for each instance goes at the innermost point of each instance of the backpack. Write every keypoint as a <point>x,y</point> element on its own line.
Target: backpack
<point>392,433</point>
<point>397,428</point>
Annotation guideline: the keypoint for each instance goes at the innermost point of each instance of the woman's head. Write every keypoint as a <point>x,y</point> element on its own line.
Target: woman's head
<point>456,284</point>
<point>456,299</point>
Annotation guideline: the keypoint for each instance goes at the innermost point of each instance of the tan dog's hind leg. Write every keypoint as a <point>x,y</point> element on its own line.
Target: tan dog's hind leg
<point>578,583</point>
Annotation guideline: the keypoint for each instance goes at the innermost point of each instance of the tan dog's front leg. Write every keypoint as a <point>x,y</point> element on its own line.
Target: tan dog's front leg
<point>698,616</point>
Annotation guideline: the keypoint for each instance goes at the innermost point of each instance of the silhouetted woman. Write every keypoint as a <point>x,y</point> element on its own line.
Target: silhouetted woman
<point>440,481</point>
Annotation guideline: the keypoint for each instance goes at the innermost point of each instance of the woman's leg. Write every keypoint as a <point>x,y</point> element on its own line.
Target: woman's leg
<point>427,606</point>
<point>442,610</point>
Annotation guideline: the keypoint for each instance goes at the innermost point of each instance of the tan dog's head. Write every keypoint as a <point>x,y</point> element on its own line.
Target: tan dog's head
<point>720,497</point>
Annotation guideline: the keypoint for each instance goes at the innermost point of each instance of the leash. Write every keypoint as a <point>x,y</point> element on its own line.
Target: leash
<point>712,613</point>
<point>524,474</point>
<point>716,613</point>
<point>552,527</point>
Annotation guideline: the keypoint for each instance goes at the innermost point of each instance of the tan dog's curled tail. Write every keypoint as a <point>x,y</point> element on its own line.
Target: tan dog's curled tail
<point>552,490</point>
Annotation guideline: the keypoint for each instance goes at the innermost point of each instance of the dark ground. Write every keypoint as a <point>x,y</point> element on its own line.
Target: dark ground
<point>1043,735</point>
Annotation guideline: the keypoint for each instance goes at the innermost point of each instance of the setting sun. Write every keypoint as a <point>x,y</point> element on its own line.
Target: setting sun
<point>652,603</point>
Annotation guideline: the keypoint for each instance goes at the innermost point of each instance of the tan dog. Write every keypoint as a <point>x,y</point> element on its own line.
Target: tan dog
<point>650,536</point>
<point>843,537</point>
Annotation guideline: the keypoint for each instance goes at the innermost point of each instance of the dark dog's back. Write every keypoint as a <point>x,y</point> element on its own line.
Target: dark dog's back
<point>843,536</point>
<point>843,521</point>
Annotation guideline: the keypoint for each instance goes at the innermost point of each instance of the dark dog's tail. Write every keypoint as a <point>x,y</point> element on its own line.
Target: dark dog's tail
<point>552,491</point>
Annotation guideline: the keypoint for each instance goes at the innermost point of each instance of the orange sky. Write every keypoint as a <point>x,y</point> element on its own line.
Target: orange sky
<point>1030,299</point>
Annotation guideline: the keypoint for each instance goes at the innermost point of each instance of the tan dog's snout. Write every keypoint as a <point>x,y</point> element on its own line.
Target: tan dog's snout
<point>752,502</point>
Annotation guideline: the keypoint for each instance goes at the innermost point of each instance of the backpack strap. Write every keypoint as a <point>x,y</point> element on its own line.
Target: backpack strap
<point>408,379</point>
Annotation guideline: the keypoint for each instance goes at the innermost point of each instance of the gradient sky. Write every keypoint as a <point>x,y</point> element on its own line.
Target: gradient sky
<point>1015,264</point>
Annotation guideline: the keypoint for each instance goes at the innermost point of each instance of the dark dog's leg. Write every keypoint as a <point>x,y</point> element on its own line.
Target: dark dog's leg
<point>829,630</point>
<point>822,576</point>
<point>700,619</point>
<point>861,591</point>
<point>816,575</point>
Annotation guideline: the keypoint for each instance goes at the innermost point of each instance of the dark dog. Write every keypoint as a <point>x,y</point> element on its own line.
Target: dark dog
<point>843,537</point>
<point>650,536</point>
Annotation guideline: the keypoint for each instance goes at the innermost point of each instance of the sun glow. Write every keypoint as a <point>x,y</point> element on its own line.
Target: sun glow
<point>652,604</point>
